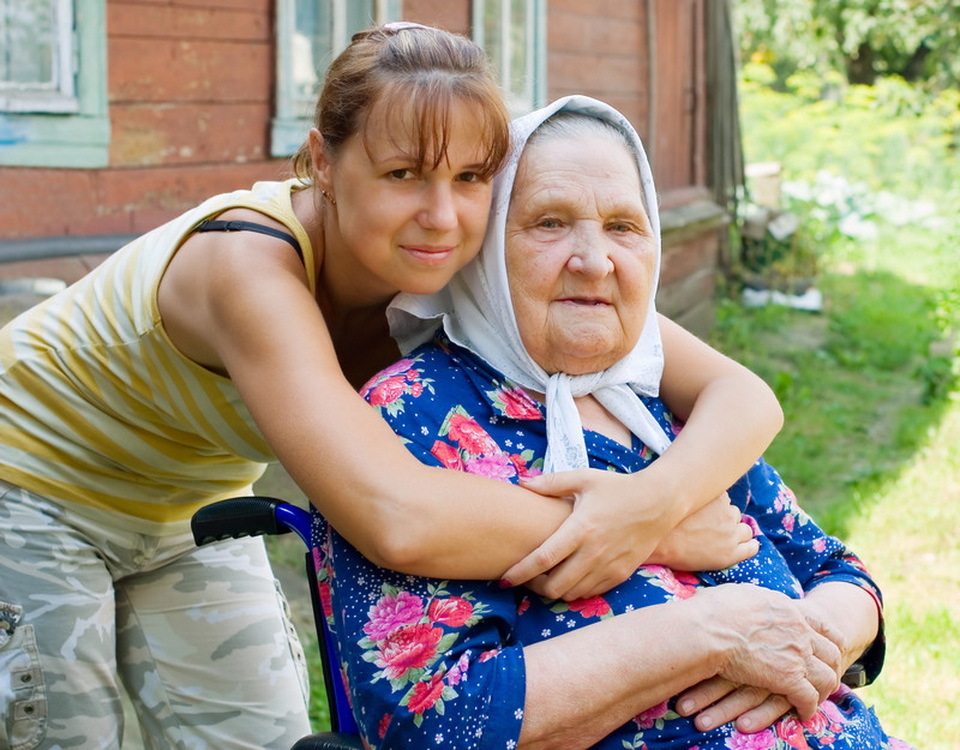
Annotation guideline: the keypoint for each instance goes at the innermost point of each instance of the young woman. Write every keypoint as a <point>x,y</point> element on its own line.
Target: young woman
<point>236,334</point>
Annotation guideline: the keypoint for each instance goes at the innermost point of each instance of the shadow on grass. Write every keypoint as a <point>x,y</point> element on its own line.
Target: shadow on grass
<point>862,384</point>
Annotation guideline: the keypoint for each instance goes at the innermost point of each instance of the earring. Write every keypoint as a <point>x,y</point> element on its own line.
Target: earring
<point>325,194</point>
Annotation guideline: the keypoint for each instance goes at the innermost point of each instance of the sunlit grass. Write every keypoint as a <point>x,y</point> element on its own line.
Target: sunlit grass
<point>872,437</point>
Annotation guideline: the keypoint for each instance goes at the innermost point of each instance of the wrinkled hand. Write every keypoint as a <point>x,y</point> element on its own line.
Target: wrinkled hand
<point>613,528</point>
<point>717,701</point>
<point>713,538</point>
<point>773,649</point>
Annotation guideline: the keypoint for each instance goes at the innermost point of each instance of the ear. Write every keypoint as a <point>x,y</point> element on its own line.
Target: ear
<point>320,160</point>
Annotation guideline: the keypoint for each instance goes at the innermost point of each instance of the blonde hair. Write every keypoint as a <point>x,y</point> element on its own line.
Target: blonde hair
<point>424,69</point>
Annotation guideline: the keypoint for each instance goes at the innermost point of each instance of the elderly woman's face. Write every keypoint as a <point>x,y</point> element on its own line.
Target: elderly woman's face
<point>580,253</point>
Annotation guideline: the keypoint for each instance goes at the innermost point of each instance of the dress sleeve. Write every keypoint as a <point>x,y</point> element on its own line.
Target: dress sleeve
<point>429,663</point>
<point>813,556</point>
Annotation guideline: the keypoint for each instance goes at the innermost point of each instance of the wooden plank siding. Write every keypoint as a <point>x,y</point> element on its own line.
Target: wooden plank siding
<point>191,90</point>
<point>190,87</point>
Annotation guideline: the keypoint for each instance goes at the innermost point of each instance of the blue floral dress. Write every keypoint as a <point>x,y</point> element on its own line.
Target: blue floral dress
<point>433,663</point>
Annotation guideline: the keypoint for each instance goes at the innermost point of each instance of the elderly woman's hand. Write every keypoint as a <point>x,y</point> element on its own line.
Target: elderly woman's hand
<point>616,525</point>
<point>788,660</point>
<point>843,611</point>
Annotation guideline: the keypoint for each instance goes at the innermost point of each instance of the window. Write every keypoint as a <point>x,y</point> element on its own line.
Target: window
<point>53,99</point>
<point>36,56</point>
<point>513,32</point>
<point>311,33</point>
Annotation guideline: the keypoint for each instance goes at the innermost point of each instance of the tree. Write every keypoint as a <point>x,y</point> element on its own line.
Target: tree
<point>863,39</point>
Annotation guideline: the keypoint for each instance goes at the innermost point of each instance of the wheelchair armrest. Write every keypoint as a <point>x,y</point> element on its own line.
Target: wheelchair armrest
<point>254,515</point>
<point>329,741</point>
<point>855,676</point>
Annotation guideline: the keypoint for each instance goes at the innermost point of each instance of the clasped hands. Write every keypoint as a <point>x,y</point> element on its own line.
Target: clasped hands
<point>790,659</point>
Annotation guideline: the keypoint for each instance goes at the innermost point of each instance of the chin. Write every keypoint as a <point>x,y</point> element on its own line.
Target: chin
<point>426,286</point>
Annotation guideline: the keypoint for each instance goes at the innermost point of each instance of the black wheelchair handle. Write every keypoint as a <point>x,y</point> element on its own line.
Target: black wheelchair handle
<point>237,517</point>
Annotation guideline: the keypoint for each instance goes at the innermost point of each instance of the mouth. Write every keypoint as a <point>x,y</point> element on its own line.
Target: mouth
<point>429,254</point>
<point>584,301</point>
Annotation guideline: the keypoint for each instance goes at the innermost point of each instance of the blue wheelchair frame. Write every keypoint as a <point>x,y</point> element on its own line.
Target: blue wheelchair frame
<point>258,516</point>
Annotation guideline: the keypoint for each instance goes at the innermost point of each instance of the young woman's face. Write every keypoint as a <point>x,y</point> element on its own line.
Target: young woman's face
<point>400,227</point>
<point>580,254</point>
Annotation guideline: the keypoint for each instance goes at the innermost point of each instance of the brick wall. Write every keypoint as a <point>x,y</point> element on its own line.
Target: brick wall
<point>190,89</point>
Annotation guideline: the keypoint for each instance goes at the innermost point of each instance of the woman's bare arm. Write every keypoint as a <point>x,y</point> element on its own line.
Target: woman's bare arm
<point>731,417</point>
<point>244,308</point>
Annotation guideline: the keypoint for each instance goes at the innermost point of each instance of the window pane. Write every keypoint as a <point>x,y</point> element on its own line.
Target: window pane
<point>27,44</point>
<point>492,38</point>
<point>511,33</point>
<point>519,46</point>
<point>360,15</point>
<point>310,46</point>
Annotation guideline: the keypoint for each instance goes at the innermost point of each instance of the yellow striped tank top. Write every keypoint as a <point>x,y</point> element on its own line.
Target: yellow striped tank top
<point>98,408</point>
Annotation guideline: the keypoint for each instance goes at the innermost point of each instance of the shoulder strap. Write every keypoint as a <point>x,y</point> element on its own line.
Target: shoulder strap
<point>213,225</point>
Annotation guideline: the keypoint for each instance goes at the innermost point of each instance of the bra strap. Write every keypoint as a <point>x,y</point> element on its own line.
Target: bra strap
<point>215,225</point>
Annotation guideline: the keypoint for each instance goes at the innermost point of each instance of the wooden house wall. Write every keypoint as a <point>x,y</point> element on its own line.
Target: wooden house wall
<point>191,89</point>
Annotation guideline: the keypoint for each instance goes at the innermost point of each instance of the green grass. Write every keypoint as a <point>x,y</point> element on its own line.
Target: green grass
<point>869,386</point>
<point>871,446</point>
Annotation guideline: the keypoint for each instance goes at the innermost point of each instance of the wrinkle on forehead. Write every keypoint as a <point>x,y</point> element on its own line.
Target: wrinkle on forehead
<point>575,181</point>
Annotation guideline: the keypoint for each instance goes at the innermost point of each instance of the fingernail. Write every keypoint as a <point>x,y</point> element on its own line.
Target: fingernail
<point>685,707</point>
<point>505,584</point>
<point>705,721</point>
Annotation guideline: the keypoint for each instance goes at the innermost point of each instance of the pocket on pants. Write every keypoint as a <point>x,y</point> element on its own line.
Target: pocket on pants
<point>297,654</point>
<point>24,697</point>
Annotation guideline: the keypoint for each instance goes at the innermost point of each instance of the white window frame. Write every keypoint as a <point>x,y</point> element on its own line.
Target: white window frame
<point>291,122</point>
<point>64,123</point>
<point>534,40</point>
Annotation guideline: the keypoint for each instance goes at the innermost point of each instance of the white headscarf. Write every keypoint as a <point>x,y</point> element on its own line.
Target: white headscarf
<point>476,312</point>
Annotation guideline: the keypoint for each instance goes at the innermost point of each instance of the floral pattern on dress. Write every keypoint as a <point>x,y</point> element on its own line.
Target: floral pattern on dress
<point>404,637</point>
<point>386,390</point>
<point>468,447</point>
<point>441,663</point>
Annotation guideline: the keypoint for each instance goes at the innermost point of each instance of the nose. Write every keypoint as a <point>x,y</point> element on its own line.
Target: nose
<point>439,211</point>
<point>589,256</point>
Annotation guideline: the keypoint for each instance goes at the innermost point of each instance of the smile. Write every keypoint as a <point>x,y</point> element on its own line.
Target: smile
<point>429,254</point>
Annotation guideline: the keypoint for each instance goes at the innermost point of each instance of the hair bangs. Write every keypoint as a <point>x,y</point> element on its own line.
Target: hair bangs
<point>422,110</point>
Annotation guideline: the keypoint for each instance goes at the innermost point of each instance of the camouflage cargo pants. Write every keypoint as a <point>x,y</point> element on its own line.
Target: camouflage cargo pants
<point>200,637</point>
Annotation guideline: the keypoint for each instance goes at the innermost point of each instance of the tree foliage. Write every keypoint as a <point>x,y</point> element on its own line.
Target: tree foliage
<point>918,40</point>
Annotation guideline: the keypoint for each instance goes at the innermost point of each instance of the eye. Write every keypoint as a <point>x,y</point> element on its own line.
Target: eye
<point>470,177</point>
<point>549,222</point>
<point>401,174</point>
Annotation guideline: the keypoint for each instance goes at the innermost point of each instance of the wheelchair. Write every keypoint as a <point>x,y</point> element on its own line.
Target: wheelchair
<point>256,516</point>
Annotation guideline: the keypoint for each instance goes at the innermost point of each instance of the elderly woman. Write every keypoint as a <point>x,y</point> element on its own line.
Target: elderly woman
<point>548,358</point>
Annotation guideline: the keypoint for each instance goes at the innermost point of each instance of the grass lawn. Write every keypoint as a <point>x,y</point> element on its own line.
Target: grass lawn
<point>872,447</point>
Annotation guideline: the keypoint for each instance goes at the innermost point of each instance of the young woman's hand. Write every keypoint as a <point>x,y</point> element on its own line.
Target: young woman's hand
<point>620,522</point>
<point>612,530</point>
<point>712,538</point>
